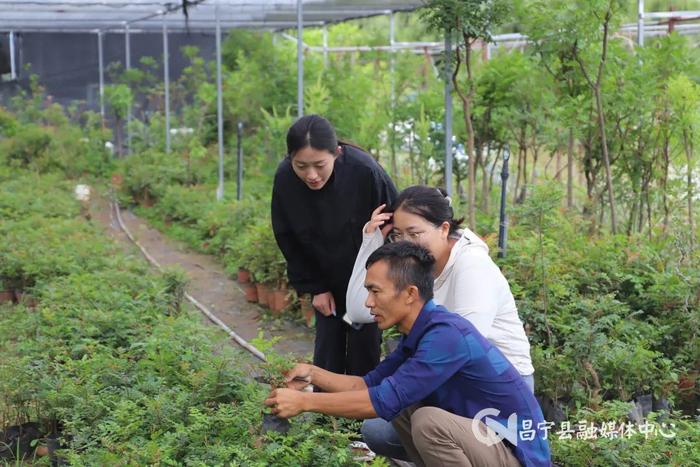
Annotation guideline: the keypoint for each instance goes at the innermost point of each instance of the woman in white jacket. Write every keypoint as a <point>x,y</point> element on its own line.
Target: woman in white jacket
<point>467,282</point>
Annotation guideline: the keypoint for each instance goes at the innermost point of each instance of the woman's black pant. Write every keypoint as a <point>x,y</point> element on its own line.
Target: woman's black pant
<point>341,349</point>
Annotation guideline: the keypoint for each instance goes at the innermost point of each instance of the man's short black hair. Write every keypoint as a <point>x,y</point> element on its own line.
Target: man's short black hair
<point>409,264</point>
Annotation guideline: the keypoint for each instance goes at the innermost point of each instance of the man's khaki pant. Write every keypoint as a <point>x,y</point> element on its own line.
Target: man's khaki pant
<point>435,437</point>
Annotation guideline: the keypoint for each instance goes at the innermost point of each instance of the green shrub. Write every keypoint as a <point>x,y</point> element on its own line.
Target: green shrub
<point>8,124</point>
<point>147,175</point>
<point>113,363</point>
<point>28,147</point>
<point>32,194</point>
<point>256,250</point>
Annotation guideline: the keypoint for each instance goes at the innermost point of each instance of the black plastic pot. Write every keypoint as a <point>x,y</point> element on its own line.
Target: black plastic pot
<point>553,411</point>
<point>54,444</point>
<point>272,422</point>
<point>661,405</point>
<point>16,441</point>
<point>644,402</point>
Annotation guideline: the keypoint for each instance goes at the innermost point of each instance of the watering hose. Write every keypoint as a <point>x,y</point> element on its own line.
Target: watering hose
<point>239,340</point>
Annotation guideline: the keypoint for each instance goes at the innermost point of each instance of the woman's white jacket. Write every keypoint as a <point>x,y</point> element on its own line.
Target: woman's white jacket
<point>470,285</point>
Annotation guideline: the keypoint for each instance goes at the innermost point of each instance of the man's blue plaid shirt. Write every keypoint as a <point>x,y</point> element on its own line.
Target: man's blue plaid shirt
<point>445,362</point>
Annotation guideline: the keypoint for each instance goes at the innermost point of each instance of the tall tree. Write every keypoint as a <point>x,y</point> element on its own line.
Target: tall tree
<point>471,21</point>
<point>576,34</point>
<point>684,97</point>
<point>601,13</point>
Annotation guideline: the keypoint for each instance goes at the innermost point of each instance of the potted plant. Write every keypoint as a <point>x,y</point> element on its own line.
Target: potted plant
<point>263,292</point>
<point>6,294</point>
<point>277,274</point>
<point>268,265</point>
<point>260,275</point>
<point>274,371</point>
<point>243,276</point>
<point>243,256</point>
<point>251,292</point>
<point>307,309</point>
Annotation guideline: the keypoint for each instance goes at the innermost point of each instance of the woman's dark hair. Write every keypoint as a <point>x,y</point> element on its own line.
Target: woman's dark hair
<point>432,204</point>
<point>409,264</point>
<point>314,131</point>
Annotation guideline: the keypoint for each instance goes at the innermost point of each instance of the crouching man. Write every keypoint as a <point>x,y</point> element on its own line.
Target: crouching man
<point>453,398</point>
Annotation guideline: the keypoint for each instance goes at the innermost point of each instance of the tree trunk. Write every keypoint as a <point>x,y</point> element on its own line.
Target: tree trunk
<point>414,168</point>
<point>640,204</point>
<point>523,188</point>
<point>570,171</point>
<point>632,215</point>
<point>118,135</point>
<point>467,107</point>
<point>518,174</point>
<point>394,165</point>
<point>557,174</point>
<point>595,87</point>
<point>601,220</point>
<point>493,167</point>
<point>485,194</point>
<point>687,143</point>
<point>648,201</point>
<point>664,180</point>
<point>535,157</point>
<point>471,193</point>
<point>606,157</point>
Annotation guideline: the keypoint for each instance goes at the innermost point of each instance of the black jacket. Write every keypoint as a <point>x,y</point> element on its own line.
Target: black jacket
<point>320,232</point>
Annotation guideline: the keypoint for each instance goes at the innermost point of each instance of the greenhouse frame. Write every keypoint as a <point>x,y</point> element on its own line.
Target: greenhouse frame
<point>207,16</point>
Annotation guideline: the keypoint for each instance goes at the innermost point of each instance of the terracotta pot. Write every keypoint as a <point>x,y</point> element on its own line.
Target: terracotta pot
<point>42,450</point>
<point>307,311</point>
<point>687,381</point>
<point>264,294</point>
<point>6,296</point>
<point>117,180</point>
<point>280,300</point>
<point>243,276</point>
<point>25,299</point>
<point>251,292</point>
<point>144,199</point>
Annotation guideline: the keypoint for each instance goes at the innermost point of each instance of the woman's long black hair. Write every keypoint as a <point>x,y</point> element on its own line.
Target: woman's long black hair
<point>314,131</point>
<point>432,204</point>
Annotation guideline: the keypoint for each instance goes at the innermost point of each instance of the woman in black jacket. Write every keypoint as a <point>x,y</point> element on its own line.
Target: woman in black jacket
<point>324,192</point>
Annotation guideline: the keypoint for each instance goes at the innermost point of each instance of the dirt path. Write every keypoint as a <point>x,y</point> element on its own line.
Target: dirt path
<point>209,283</point>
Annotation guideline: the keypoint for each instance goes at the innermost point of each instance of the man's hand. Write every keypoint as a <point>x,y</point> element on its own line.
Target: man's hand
<point>286,403</point>
<point>299,377</point>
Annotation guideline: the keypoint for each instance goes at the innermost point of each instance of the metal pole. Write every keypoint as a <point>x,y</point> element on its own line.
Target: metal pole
<point>166,79</point>
<point>300,58</point>
<point>13,65</point>
<point>239,166</point>
<point>392,94</point>
<point>127,61</point>
<point>448,113</point>
<point>219,108</point>
<point>503,223</point>
<point>100,65</point>
<point>640,23</point>
<point>325,46</point>
<point>392,58</point>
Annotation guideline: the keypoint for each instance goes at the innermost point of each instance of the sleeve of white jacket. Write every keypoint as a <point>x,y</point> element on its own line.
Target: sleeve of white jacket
<point>356,296</point>
<point>476,291</point>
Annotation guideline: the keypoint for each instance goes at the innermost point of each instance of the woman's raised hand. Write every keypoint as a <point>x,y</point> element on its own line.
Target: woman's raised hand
<point>378,219</point>
<point>324,303</point>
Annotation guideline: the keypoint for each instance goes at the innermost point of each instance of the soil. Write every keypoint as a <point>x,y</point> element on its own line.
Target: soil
<point>209,283</point>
